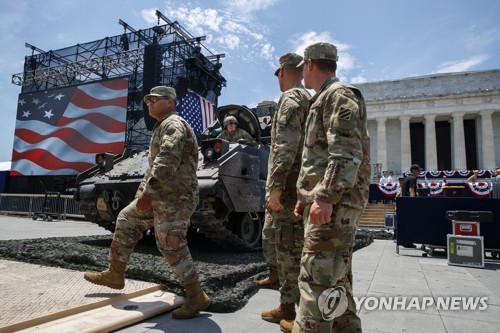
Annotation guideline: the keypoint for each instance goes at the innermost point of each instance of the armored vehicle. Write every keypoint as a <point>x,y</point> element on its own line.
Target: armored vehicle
<point>231,179</point>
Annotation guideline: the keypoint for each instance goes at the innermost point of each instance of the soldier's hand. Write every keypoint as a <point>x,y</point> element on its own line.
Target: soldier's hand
<point>144,202</point>
<point>273,203</point>
<point>299,209</point>
<point>321,212</point>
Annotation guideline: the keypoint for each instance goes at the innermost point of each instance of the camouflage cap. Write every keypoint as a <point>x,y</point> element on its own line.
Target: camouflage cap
<point>161,91</point>
<point>289,59</point>
<point>320,51</point>
<point>230,120</point>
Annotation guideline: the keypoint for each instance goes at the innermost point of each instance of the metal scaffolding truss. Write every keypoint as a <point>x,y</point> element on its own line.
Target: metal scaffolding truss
<point>112,65</point>
<point>183,59</point>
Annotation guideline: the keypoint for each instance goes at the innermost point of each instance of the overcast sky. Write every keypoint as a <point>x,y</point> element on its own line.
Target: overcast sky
<point>377,40</point>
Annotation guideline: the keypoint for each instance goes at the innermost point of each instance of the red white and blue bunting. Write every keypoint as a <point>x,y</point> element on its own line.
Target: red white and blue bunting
<point>435,188</point>
<point>389,189</point>
<point>454,173</point>
<point>480,189</point>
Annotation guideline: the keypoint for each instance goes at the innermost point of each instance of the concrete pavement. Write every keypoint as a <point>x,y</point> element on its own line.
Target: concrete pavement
<point>379,275</point>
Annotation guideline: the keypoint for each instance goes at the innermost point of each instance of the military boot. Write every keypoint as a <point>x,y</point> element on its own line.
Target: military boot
<point>113,277</point>
<point>270,282</point>
<point>196,301</point>
<point>286,325</point>
<point>283,311</point>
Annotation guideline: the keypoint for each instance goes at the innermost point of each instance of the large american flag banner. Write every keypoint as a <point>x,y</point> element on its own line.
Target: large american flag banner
<point>59,132</point>
<point>197,111</point>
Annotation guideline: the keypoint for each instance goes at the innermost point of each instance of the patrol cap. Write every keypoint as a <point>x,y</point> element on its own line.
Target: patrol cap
<point>230,120</point>
<point>289,59</point>
<point>415,167</point>
<point>320,51</point>
<point>161,91</point>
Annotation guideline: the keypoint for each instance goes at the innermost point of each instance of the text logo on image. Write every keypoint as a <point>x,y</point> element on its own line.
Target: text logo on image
<point>332,303</point>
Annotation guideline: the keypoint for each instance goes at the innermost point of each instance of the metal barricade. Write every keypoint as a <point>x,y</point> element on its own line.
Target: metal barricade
<point>29,204</point>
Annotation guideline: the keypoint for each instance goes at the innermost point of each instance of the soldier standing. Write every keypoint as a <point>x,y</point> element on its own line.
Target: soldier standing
<point>165,200</point>
<point>269,251</point>
<point>332,193</point>
<point>287,138</point>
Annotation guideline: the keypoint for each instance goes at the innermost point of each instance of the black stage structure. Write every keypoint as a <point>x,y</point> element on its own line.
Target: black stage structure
<point>165,54</point>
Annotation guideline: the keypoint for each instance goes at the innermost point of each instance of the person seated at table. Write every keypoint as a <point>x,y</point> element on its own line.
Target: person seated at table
<point>399,193</point>
<point>385,179</point>
<point>473,178</point>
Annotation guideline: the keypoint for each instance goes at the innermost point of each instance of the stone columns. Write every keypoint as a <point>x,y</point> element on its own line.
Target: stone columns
<point>459,160</point>
<point>405,143</point>
<point>430,142</point>
<point>382,142</point>
<point>487,141</point>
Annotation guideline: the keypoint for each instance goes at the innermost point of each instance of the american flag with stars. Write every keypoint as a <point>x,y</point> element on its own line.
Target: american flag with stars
<point>59,132</point>
<point>196,110</point>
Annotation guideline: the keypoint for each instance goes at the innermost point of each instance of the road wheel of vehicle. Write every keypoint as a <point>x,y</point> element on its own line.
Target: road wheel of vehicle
<point>250,229</point>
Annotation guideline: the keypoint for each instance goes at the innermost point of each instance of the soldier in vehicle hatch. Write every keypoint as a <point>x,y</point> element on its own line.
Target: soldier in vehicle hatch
<point>165,200</point>
<point>232,133</point>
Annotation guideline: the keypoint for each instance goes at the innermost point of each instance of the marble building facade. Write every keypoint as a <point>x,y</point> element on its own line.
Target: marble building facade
<point>441,122</point>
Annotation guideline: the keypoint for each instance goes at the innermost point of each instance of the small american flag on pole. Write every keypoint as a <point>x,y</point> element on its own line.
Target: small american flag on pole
<point>197,111</point>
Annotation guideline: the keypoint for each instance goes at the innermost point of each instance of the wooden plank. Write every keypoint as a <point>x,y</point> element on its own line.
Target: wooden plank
<point>104,317</point>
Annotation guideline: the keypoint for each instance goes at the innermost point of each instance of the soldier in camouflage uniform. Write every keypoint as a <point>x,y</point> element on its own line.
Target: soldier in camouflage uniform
<point>165,200</point>
<point>269,251</point>
<point>332,193</point>
<point>287,138</point>
<point>232,133</point>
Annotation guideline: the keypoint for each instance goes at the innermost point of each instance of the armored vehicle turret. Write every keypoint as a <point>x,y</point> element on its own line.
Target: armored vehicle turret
<point>231,179</point>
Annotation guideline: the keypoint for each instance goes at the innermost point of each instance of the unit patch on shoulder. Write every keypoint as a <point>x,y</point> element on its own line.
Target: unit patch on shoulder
<point>345,114</point>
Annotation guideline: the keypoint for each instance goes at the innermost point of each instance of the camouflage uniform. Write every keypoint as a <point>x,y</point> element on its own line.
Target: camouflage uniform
<point>269,241</point>
<point>171,181</point>
<point>287,138</point>
<point>335,168</point>
<point>239,134</point>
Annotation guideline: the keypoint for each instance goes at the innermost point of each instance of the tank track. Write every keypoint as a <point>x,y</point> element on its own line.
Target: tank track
<point>213,229</point>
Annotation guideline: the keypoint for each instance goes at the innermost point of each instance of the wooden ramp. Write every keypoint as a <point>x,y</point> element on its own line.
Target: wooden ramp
<point>103,316</point>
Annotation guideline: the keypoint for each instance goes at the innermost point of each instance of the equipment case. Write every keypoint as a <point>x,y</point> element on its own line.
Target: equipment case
<point>465,250</point>
<point>466,228</point>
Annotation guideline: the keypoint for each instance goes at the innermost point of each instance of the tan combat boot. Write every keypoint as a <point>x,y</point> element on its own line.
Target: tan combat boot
<point>286,325</point>
<point>283,311</point>
<point>270,282</point>
<point>196,301</point>
<point>113,277</point>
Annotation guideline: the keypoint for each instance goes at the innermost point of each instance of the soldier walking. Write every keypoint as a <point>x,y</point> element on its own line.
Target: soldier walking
<point>165,200</point>
<point>332,193</point>
<point>287,138</point>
